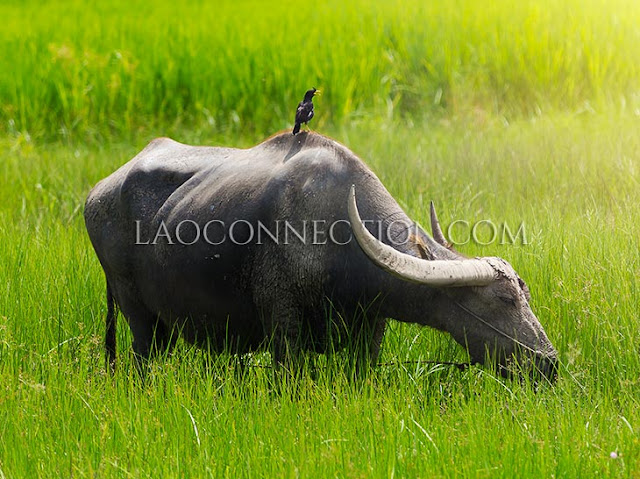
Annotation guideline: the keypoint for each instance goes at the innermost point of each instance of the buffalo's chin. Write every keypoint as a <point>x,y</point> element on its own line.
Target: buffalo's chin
<point>538,368</point>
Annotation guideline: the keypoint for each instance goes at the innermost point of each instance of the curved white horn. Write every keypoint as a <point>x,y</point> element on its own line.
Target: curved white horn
<point>467,272</point>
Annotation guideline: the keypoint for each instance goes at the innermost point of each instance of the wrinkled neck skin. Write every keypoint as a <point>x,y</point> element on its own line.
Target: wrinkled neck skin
<point>426,306</point>
<point>396,298</point>
<point>417,303</point>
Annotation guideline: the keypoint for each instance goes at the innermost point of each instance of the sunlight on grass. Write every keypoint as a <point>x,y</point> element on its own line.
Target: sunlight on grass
<point>521,113</point>
<point>124,69</point>
<point>581,266</point>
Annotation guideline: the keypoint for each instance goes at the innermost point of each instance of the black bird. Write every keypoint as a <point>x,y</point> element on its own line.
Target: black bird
<point>304,113</point>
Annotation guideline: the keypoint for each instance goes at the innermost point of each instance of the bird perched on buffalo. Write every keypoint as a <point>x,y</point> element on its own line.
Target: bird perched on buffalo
<point>304,113</point>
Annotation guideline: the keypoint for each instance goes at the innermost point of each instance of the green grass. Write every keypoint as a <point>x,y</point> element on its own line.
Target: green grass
<point>128,67</point>
<point>572,180</point>
<point>536,123</point>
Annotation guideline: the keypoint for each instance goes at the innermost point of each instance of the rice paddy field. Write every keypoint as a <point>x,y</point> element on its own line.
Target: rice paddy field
<point>522,113</point>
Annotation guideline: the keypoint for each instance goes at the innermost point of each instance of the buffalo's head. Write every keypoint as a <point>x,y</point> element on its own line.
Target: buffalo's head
<point>481,302</point>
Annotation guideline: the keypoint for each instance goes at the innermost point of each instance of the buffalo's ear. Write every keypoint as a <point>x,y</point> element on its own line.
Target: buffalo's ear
<point>421,247</point>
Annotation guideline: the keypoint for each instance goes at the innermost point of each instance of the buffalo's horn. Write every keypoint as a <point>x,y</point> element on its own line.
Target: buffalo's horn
<point>468,272</point>
<point>436,230</point>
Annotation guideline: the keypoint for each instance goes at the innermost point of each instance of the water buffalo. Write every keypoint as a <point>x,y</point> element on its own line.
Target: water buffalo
<point>291,245</point>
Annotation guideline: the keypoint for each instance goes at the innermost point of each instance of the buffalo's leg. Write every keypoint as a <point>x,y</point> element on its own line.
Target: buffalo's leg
<point>283,328</point>
<point>376,340</point>
<point>285,346</point>
<point>365,345</point>
<point>150,335</point>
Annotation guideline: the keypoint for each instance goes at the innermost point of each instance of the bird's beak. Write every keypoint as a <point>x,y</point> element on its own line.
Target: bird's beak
<point>317,93</point>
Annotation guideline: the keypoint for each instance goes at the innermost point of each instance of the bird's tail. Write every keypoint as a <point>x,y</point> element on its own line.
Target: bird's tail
<point>296,128</point>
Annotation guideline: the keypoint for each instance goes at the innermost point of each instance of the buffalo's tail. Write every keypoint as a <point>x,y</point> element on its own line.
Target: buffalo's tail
<point>110,334</point>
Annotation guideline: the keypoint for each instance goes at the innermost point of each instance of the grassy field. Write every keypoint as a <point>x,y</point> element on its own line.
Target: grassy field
<point>128,68</point>
<point>526,114</point>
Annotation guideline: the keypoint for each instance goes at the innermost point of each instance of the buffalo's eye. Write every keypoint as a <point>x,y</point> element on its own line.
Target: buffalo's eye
<point>508,300</point>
